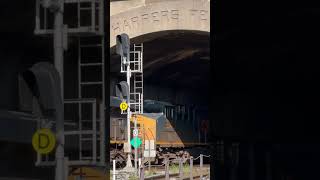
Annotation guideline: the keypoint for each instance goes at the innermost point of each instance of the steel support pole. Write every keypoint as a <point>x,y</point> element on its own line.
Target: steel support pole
<point>180,169</point>
<point>191,168</point>
<point>135,149</point>
<point>139,167</point>
<point>113,169</point>
<point>58,62</point>
<point>129,106</point>
<point>102,135</point>
<point>142,173</point>
<point>166,160</point>
<point>201,166</point>
<point>128,112</point>
<point>149,163</point>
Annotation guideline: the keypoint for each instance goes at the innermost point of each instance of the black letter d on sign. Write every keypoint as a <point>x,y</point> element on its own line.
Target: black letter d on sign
<point>47,144</point>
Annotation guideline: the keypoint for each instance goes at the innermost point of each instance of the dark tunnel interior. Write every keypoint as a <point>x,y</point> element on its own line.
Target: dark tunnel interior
<point>177,60</point>
<point>265,85</point>
<point>177,71</point>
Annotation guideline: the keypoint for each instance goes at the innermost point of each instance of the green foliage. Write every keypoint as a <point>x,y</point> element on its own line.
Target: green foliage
<point>174,168</point>
<point>186,168</point>
<point>133,177</point>
<point>152,172</point>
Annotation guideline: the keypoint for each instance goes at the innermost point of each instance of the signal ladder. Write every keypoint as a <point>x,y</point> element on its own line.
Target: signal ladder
<point>91,85</point>
<point>136,68</point>
<point>84,22</point>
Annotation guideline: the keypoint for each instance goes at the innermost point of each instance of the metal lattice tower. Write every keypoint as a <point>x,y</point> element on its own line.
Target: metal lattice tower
<point>132,65</point>
<point>138,79</point>
<point>136,70</point>
<point>86,66</point>
<point>86,26</point>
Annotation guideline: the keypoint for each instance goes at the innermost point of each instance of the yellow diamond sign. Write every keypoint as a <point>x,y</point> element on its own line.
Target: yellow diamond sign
<point>43,141</point>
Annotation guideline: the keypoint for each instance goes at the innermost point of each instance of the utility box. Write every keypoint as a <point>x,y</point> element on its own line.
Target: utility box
<point>126,147</point>
<point>149,150</point>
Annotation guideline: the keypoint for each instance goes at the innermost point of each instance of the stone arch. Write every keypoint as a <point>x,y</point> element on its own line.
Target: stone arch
<point>182,15</point>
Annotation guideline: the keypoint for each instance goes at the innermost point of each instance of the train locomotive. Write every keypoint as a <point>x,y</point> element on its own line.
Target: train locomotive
<point>175,130</point>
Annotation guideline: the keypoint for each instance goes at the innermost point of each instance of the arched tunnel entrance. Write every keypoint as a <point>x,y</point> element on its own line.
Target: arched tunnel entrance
<point>179,61</point>
<point>176,61</point>
<point>175,37</point>
<point>176,77</point>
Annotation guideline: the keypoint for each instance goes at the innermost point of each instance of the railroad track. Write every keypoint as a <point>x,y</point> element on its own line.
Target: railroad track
<point>186,175</point>
<point>196,175</point>
<point>205,176</point>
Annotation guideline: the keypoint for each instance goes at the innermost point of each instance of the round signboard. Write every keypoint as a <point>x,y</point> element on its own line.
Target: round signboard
<point>43,141</point>
<point>135,132</point>
<point>123,106</point>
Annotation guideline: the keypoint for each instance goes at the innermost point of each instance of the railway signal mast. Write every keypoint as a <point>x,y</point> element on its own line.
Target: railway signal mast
<point>123,49</point>
<point>56,6</point>
<point>89,33</point>
<point>131,66</point>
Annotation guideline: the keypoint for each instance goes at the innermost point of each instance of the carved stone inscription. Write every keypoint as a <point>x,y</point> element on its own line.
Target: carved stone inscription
<point>161,17</point>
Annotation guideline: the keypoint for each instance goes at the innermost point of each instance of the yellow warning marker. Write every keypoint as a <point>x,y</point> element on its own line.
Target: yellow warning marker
<point>123,106</point>
<point>43,141</point>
